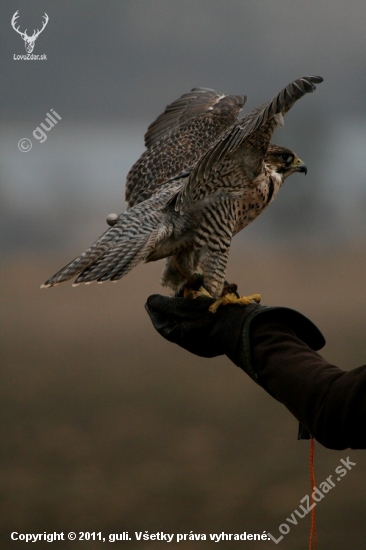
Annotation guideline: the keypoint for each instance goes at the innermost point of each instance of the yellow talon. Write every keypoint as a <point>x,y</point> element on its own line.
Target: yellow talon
<point>231,298</point>
<point>189,293</point>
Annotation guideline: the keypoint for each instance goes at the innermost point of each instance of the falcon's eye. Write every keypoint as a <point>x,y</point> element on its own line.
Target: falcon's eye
<point>287,158</point>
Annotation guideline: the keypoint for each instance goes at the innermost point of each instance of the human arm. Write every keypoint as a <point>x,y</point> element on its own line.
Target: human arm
<point>277,348</point>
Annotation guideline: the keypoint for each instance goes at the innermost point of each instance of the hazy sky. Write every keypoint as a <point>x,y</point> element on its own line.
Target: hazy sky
<point>120,59</point>
<point>113,66</point>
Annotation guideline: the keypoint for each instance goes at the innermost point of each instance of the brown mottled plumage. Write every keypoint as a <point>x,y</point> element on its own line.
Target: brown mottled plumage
<point>179,137</point>
<point>204,176</point>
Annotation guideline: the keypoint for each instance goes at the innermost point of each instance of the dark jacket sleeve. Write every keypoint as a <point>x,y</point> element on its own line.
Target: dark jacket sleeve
<point>329,402</point>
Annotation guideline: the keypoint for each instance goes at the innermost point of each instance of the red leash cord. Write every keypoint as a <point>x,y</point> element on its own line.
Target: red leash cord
<point>312,537</point>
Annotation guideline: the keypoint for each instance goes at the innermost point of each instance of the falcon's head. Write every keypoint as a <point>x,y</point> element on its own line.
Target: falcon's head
<point>284,161</point>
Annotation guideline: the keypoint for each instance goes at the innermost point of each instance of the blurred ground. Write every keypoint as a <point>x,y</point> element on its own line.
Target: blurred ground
<point>107,427</point>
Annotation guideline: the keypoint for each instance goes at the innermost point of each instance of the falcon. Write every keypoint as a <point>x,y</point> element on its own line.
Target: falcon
<point>204,176</point>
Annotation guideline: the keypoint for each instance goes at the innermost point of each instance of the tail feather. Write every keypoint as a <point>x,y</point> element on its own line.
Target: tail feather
<point>141,256</point>
<point>104,268</point>
<point>116,252</point>
<point>91,255</point>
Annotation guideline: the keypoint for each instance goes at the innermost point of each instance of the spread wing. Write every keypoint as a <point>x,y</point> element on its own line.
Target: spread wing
<point>247,139</point>
<point>194,103</point>
<point>177,139</point>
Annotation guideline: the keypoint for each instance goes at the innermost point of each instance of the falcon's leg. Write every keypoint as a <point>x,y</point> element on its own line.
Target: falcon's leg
<point>230,288</point>
<point>178,272</point>
<point>209,285</point>
<point>232,298</point>
<point>214,281</point>
<point>195,287</point>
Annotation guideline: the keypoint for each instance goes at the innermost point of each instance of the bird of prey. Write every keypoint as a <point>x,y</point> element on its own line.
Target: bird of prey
<point>205,175</point>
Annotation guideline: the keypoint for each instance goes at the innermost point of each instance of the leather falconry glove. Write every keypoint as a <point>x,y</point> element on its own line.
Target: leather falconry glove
<point>188,323</point>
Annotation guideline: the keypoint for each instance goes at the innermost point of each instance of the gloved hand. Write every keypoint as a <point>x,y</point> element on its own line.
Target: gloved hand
<point>189,324</point>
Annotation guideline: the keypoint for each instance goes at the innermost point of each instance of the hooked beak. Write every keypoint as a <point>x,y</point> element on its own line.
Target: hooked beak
<point>300,166</point>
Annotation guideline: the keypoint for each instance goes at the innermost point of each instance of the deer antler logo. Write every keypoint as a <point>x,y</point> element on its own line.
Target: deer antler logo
<point>28,40</point>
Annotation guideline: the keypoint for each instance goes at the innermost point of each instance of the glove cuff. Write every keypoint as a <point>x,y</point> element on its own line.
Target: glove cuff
<point>304,329</point>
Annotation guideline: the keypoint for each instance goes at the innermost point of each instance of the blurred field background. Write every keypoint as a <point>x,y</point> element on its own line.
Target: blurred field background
<point>105,426</point>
